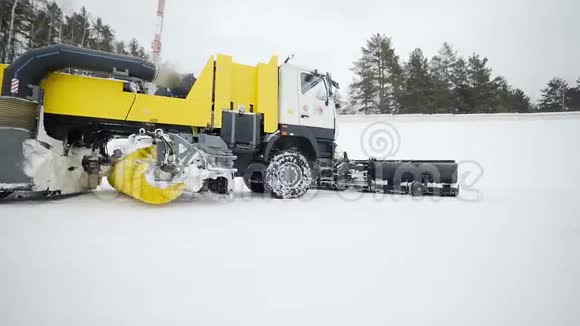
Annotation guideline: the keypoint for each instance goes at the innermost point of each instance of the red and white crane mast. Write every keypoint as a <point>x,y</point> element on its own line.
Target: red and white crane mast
<point>157,38</point>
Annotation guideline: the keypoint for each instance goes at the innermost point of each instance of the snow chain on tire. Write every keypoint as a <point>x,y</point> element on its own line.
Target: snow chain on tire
<point>289,175</point>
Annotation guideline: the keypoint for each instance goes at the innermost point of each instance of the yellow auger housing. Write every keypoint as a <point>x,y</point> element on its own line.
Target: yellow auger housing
<point>133,176</point>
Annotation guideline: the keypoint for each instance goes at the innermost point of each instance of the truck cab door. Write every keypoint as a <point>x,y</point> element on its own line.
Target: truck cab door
<point>316,106</point>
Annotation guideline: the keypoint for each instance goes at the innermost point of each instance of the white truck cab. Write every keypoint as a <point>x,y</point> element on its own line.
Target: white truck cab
<point>305,98</point>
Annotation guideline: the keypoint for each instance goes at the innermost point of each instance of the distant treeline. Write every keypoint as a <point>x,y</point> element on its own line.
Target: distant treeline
<point>26,24</point>
<point>445,83</point>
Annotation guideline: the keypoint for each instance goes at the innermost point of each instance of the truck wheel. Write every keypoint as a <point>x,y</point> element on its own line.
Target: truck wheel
<point>219,186</point>
<point>417,189</point>
<point>289,175</point>
<point>254,177</point>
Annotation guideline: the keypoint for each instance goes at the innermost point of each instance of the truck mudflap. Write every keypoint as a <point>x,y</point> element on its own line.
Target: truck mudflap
<point>404,177</point>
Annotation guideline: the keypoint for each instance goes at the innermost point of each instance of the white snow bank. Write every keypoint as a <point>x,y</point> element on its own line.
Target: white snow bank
<point>51,170</point>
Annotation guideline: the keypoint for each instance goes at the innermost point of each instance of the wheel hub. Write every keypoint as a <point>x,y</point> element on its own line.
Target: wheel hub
<point>290,175</point>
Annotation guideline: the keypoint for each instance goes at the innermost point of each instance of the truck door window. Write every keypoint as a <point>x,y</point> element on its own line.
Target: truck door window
<point>312,86</point>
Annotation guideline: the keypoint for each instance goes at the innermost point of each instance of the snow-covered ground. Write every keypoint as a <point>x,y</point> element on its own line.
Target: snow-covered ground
<point>507,252</point>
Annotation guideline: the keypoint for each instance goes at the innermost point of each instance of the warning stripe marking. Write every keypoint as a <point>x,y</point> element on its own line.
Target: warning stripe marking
<point>15,86</point>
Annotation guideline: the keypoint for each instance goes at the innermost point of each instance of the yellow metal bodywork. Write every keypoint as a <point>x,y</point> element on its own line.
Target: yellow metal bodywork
<point>129,177</point>
<point>228,85</point>
<point>221,85</point>
<point>247,86</point>
<point>86,97</point>
<point>194,110</point>
<point>2,68</point>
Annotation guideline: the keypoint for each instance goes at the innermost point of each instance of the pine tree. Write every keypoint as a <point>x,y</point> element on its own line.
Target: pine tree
<point>121,48</point>
<point>5,27</point>
<point>500,102</point>
<point>442,64</point>
<point>363,90</point>
<point>55,18</point>
<point>554,96</point>
<point>11,31</point>
<point>102,36</point>
<point>26,24</point>
<point>85,27</point>
<point>76,29</point>
<point>30,26</point>
<point>507,99</point>
<point>23,28</point>
<point>480,84</point>
<point>573,102</point>
<point>378,77</point>
<point>46,21</point>
<point>135,49</point>
<point>442,68</point>
<point>521,102</point>
<point>341,105</point>
<point>15,28</point>
<point>460,88</point>
<point>418,91</point>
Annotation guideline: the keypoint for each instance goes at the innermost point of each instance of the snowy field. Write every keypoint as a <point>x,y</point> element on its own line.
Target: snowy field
<point>507,252</point>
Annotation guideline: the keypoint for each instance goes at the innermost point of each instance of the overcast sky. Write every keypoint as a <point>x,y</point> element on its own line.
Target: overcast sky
<point>528,42</point>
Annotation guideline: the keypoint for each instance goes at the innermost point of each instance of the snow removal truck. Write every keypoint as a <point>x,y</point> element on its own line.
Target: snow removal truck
<point>71,116</point>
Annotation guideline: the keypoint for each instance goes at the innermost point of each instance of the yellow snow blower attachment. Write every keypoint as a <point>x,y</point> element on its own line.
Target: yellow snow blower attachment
<point>134,176</point>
